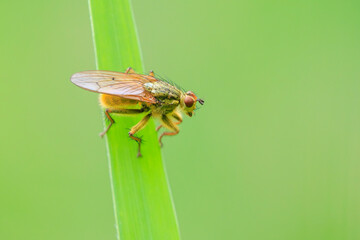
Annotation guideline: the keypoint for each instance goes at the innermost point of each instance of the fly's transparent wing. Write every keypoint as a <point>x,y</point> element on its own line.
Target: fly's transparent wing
<point>126,85</point>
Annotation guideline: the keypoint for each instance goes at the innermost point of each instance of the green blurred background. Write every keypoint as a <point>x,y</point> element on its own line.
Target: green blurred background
<point>272,155</point>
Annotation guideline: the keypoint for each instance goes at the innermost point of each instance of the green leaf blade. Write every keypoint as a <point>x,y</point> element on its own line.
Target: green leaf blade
<point>142,201</point>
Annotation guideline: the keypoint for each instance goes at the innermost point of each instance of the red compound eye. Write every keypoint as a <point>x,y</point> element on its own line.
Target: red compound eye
<point>190,93</point>
<point>189,101</point>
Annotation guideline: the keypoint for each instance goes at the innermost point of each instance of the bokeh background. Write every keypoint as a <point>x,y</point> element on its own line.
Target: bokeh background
<point>274,154</point>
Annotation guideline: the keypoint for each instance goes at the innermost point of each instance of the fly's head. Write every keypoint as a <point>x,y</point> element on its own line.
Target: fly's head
<point>188,103</point>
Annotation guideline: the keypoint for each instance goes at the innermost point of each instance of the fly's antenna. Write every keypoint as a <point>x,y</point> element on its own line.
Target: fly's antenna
<point>200,101</point>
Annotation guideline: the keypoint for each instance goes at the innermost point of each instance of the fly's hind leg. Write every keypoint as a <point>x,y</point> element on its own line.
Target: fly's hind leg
<point>107,111</point>
<point>177,116</point>
<point>166,122</point>
<point>140,125</point>
<point>119,111</point>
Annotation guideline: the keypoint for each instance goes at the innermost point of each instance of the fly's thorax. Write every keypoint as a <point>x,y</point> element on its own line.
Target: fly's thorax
<point>163,91</point>
<point>165,107</point>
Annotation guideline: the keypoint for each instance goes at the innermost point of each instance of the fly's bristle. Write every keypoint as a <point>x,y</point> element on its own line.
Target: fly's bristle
<point>168,81</point>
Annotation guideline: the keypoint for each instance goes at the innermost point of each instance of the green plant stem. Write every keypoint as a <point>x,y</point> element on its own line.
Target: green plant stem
<point>142,201</point>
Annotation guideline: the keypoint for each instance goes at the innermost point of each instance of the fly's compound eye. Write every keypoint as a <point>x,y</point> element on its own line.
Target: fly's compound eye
<point>189,101</point>
<point>190,93</point>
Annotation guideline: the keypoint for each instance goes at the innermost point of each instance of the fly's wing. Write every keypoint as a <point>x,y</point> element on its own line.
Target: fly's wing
<point>126,85</point>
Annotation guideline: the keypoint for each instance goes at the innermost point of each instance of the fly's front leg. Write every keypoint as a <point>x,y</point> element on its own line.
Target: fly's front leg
<point>177,116</point>
<point>119,111</point>
<point>140,125</point>
<point>166,122</point>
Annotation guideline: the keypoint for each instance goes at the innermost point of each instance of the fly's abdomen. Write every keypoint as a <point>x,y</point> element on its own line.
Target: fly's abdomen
<point>113,102</point>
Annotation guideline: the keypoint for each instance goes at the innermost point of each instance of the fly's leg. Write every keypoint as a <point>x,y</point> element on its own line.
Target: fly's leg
<point>129,70</point>
<point>152,74</point>
<point>166,122</point>
<point>119,111</point>
<point>159,127</point>
<point>140,125</point>
<point>177,116</point>
<point>107,111</point>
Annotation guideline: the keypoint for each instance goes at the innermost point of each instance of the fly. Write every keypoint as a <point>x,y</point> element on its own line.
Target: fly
<point>130,93</point>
